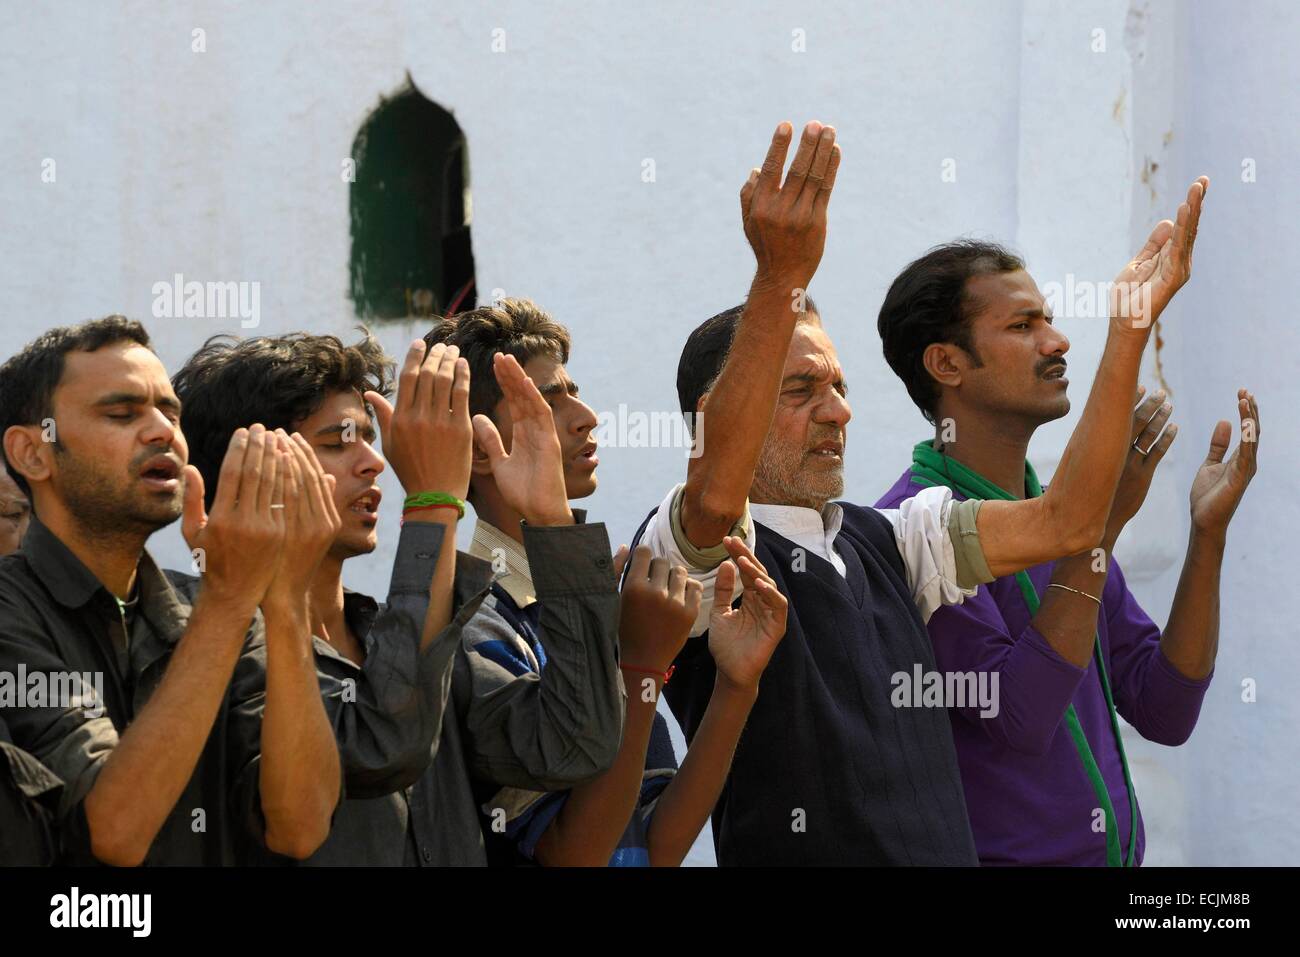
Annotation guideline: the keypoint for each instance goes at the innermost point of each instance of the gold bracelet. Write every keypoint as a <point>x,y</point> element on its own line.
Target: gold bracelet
<point>1077,592</point>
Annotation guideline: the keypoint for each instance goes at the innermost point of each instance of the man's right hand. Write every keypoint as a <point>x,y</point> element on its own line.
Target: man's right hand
<point>426,431</point>
<point>239,543</point>
<point>786,223</point>
<point>1162,267</point>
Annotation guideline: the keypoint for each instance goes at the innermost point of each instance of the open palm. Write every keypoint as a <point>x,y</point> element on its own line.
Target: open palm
<point>1146,284</point>
<point>742,639</point>
<point>531,475</point>
<point>1220,484</point>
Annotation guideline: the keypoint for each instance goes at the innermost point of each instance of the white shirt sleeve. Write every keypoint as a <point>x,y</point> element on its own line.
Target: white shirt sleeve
<point>921,533</point>
<point>659,537</point>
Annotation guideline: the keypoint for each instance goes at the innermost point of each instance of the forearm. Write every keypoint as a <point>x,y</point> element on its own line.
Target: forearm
<point>145,775</point>
<point>558,729</point>
<point>587,829</point>
<point>1068,621</point>
<point>299,779</point>
<point>739,412</point>
<point>1083,486</point>
<point>687,802</point>
<point>441,595</point>
<point>1191,639</point>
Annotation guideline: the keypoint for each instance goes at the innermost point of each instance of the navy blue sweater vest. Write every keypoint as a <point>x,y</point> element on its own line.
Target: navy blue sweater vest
<point>827,770</point>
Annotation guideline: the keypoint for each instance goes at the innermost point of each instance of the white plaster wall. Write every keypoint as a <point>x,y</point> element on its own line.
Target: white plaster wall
<point>225,165</point>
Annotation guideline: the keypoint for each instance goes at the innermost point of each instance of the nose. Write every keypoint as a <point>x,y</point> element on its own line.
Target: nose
<point>159,429</point>
<point>835,410</point>
<point>369,462</point>
<point>1055,342</point>
<point>583,418</point>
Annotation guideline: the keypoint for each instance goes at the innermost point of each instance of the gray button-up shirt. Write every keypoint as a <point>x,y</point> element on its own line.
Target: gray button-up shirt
<point>501,729</point>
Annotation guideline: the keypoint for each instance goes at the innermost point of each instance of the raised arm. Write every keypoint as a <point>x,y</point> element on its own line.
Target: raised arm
<point>742,641</point>
<point>1070,517</point>
<point>1191,637</point>
<point>427,438</point>
<point>299,777</point>
<point>786,227</point>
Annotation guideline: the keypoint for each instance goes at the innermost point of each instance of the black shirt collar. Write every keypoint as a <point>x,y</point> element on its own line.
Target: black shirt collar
<point>73,585</point>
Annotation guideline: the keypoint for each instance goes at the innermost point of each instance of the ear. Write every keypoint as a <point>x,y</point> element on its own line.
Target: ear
<point>945,363</point>
<point>479,464</point>
<point>28,452</point>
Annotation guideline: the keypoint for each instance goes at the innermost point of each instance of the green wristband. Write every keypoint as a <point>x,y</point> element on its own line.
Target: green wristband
<point>425,499</point>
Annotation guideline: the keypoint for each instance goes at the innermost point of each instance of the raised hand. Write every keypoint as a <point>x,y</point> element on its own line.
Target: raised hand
<point>1146,448</point>
<point>531,475</point>
<point>312,521</point>
<point>1144,287</point>
<point>238,545</point>
<point>426,431</point>
<point>786,223</point>
<point>743,639</point>
<point>657,606</point>
<point>1219,484</point>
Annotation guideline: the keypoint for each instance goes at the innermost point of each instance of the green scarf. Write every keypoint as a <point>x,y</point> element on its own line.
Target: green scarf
<point>930,467</point>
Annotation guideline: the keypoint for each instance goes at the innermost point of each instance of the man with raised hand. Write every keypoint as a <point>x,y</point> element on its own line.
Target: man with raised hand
<point>385,669</point>
<point>209,739</point>
<point>829,769</point>
<point>1070,649</point>
<point>537,694</point>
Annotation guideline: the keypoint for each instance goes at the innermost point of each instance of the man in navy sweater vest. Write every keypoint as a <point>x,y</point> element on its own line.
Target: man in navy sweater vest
<point>829,769</point>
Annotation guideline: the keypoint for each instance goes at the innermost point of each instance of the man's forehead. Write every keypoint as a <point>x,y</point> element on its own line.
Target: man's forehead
<point>546,370</point>
<point>811,352</point>
<point>999,294</point>
<point>120,367</point>
<point>338,409</point>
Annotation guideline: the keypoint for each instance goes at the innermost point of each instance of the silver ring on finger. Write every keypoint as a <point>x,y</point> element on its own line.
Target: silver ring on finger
<point>1141,451</point>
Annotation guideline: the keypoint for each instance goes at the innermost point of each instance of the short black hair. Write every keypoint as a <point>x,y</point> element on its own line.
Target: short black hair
<point>28,379</point>
<point>928,302</point>
<point>513,327</point>
<point>705,353</point>
<point>232,383</point>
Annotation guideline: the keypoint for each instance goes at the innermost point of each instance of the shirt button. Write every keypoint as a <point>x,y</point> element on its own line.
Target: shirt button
<point>428,854</point>
<point>602,562</point>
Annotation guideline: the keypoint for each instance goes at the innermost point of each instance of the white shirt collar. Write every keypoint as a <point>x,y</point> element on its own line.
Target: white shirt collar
<point>806,527</point>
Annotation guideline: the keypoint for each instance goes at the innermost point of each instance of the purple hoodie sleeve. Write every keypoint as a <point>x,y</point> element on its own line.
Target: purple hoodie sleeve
<point>1035,684</point>
<point>1149,691</point>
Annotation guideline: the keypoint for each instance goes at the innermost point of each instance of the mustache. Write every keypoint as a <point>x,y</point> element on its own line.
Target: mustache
<point>1052,363</point>
<point>833,435</point>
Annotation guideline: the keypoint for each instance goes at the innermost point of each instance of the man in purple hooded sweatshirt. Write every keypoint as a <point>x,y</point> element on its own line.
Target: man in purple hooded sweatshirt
<point>1063,646</point>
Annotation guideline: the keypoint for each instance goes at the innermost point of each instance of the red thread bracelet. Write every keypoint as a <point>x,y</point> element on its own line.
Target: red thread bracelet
<point>650,671</point>
<point>421,508</point>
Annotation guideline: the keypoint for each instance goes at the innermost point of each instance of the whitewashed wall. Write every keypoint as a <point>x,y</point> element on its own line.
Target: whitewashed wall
<point>226,165</point>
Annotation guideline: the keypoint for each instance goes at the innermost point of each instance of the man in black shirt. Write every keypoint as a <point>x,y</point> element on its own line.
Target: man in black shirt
<point>211,738</point>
